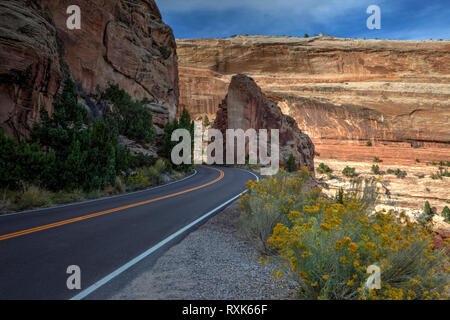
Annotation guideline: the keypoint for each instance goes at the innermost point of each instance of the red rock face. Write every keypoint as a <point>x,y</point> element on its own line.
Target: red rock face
<point>123,42</point>
<point>245,107</point>
<point>344,89</point>
<point>30,69</point>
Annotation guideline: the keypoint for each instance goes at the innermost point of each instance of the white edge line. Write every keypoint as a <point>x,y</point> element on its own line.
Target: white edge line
<point>99,199</point>
<point>145,254</point>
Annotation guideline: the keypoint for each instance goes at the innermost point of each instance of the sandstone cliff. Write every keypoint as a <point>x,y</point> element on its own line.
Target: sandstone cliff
<point>124,42</point>
<point>344,89</point>
<point>245,107</point>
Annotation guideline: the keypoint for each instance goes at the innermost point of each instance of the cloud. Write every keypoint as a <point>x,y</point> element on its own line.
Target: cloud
<point>401,19</point>
<point>319,11</point>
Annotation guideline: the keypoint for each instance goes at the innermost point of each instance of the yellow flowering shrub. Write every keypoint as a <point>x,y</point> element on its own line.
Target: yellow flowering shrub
<point>270,201</point>
<point>326,246</point>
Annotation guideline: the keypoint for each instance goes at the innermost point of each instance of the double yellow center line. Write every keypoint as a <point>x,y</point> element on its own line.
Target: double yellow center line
<point>101,213</point>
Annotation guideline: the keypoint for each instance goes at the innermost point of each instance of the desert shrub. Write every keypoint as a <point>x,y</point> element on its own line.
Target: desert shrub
<point>444,163</point>
<point>291,164</point>
<point>139,180</point>
<point>94,194</point>
<point>369,143</point>
<point>375,169</point>
<point>269,202</point>
<point>119,186</point>
<point>326,247</point>
<point>439,174</point>
<point>348,172</point>
<point>323,168</point>
<point>160,165</point>
<point>32,197</point>
<point>62,197</point>
<point>377,160</point>
<point>397,172</point>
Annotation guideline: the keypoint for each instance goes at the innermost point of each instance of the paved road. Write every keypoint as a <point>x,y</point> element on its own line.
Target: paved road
<point>104,235</point>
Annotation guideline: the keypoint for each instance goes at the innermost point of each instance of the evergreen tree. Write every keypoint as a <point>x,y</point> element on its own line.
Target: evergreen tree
<point>446,214</point>
<point>291,165</point>
<point>427,211</point>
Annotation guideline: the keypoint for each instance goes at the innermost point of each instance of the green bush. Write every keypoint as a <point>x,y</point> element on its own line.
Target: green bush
<point>323,168</point>
<point>446,214</point>
<point>21,162</point>
<point>397,172</point>
<point>348,172</point>
<point>377,160</point>
<point>375,169</point>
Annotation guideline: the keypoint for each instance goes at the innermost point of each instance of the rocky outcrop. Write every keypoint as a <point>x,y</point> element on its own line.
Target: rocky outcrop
<point>245,107</point>
<point>123,42</point>
<point>344,89</point>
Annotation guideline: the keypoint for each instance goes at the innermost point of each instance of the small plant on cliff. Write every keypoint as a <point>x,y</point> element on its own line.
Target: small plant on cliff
<point>369,143</point>
<point>349,172</point>
<point>377,160</point>
<point>166,53</point>
<point>291,165</point>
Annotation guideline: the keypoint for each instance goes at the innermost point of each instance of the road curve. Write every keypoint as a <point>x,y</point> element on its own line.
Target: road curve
<point>103,236</point>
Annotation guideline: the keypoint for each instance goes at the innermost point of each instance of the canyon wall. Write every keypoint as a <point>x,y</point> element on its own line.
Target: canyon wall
<point>246,106</point>
<point>343,89</point>
<point>123,42</point>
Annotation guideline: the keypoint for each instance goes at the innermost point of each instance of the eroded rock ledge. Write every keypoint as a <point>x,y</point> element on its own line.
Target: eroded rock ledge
<point>344,89</point>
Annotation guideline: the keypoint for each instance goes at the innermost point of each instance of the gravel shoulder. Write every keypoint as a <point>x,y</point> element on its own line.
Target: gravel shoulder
<point>213,263</point>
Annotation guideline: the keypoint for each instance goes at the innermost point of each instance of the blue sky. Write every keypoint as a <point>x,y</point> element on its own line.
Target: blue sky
<point>400,19</point>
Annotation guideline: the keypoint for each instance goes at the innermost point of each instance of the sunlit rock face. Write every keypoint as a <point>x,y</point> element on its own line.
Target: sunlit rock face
<point>335,89</point>
<point>246,106</point>
<point>123,42</point>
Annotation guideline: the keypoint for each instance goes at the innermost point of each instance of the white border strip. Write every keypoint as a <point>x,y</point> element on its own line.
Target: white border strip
<point>99,199</point>
<point>142,256</point>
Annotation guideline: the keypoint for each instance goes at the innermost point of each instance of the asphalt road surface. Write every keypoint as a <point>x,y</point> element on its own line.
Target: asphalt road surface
<point>106,237</point>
